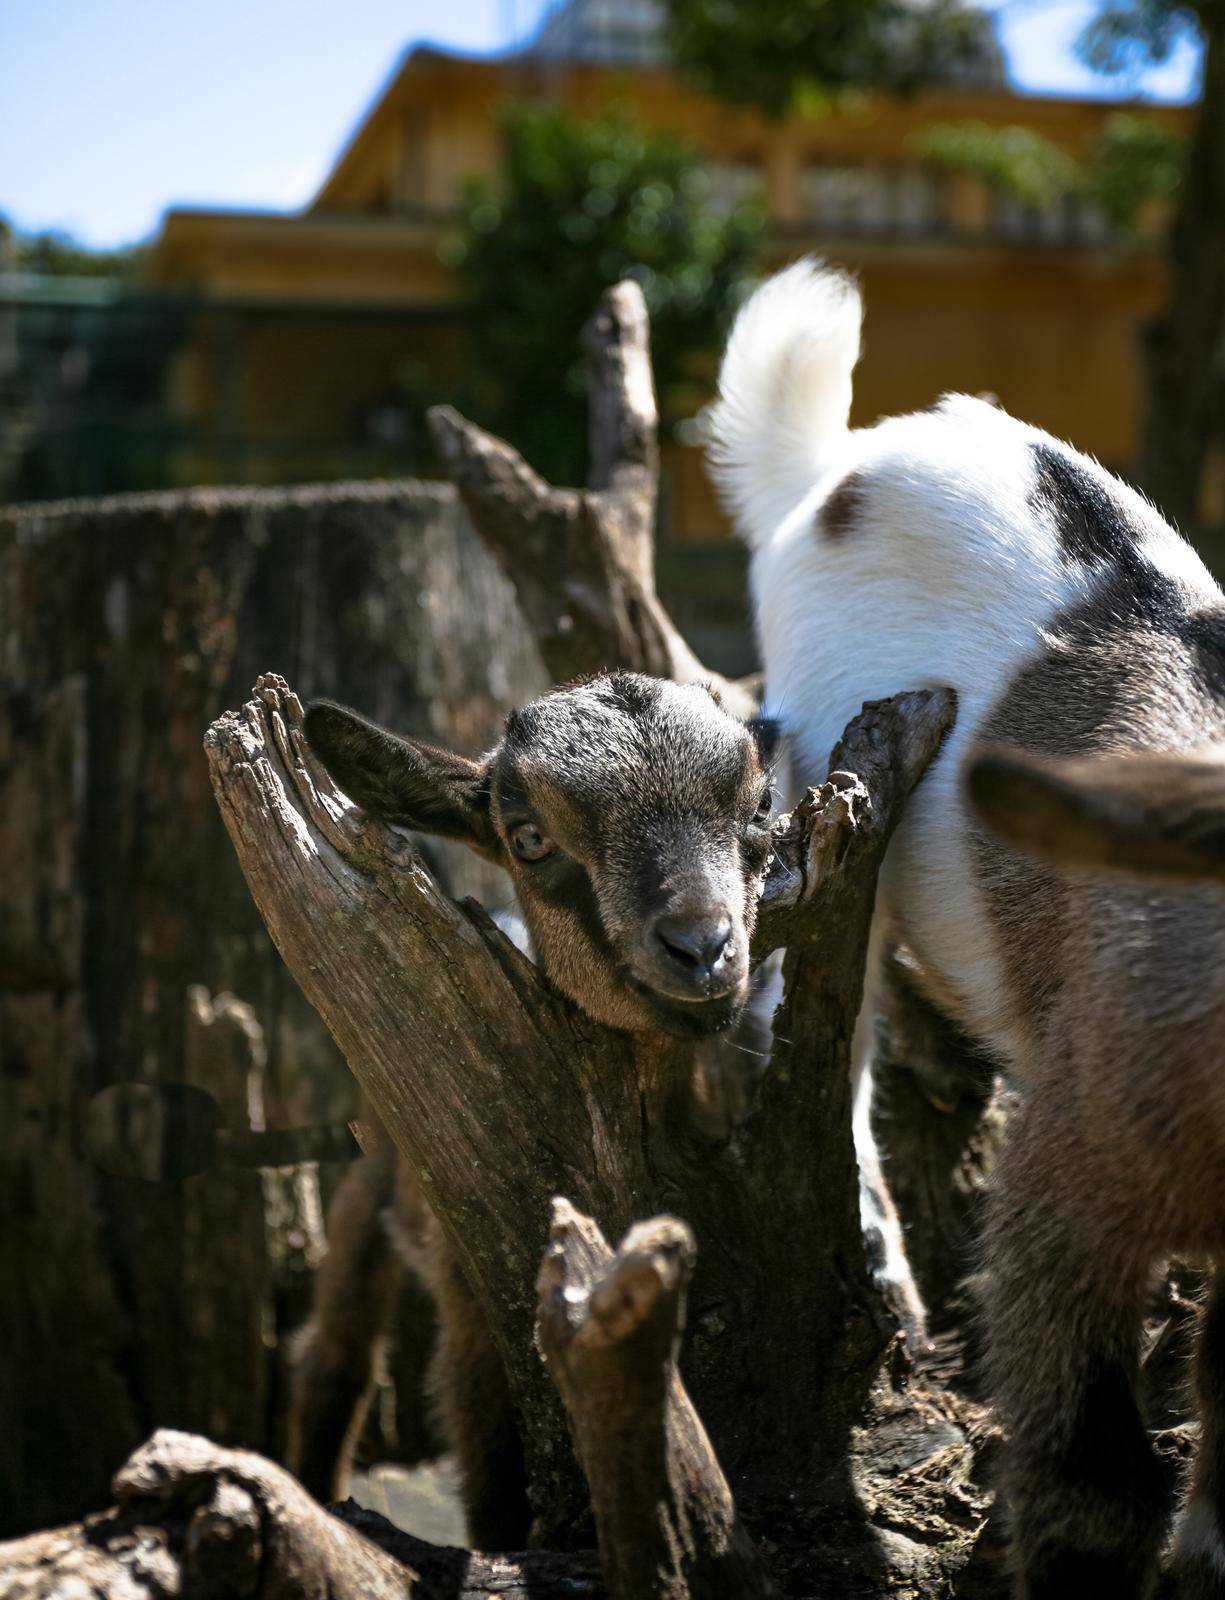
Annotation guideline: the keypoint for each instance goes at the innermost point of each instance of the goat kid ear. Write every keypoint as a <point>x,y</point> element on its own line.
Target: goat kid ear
<point>1147,816</point>
<point>405,781</point>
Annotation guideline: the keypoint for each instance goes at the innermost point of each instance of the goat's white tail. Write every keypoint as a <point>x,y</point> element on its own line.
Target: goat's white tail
<point>784,393</point>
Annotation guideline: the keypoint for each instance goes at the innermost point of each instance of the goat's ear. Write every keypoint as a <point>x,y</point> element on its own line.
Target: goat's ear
<point>1152,816</point>
<point>767,733</point>
<point>404,780</point>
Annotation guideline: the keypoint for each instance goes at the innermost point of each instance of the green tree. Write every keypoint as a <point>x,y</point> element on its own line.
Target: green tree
<point>59,255</point>
<point>581,204</point>
<point>1133,160</point>
<point>782,54</point>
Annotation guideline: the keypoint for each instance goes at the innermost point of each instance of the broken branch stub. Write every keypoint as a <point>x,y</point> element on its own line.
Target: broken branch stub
<point>609,1327</point>
<point>583,560</point>
<point>465,1054</point>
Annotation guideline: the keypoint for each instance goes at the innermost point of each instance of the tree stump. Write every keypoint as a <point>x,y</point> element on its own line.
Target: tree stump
<point>500,1094</point>
<point>128,625</point>
<point>781,1439</point>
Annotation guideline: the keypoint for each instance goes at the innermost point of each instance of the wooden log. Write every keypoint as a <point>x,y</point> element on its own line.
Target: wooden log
<point>129,624</point>
<point>195,1519</point>
<point>583,560</point>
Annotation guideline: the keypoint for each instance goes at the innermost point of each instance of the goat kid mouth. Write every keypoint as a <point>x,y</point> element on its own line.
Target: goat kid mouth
<point>694,1016</point>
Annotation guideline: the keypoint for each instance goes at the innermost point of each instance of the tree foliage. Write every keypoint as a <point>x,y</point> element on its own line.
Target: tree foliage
<point>58,255</point>
<point>780,54</point>
<point>582,204</point>
<point>1133,160</point>
<point>1125,34</point>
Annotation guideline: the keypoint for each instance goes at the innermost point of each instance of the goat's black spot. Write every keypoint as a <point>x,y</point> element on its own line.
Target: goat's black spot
<point>1204,633</point>
<point>1125,594</point>
<point>840,511</point>
<point>1090,525</point>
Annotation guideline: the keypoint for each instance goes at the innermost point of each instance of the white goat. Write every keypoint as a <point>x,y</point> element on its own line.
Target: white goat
<point>958,546</point>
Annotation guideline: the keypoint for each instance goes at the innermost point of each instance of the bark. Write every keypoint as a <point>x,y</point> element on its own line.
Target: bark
<point>128,625</point>
<point>1186,350</point>
<point>195,1519</point>
<point>499,1094</point>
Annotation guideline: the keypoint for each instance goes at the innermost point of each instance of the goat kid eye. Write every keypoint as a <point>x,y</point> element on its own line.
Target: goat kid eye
<point>529,844</point>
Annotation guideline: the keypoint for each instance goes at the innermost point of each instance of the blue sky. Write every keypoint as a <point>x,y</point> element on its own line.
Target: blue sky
<point>115,109</point>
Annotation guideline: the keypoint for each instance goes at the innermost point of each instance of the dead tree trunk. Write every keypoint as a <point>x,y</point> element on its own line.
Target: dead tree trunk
<point>500,1094</point>
<point>799,1425</point>
<point>127,626</point>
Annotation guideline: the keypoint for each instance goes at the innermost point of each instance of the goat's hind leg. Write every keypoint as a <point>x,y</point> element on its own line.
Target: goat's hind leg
<point>477,1412</point>
<point>1199,1550</point>
<point>1084,1489</point>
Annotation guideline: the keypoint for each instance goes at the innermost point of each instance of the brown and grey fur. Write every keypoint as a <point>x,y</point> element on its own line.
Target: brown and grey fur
<point>1116,1157</point>
<point>657,804</point>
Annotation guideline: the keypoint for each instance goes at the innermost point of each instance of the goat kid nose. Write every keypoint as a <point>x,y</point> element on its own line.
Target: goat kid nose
<point>698,947</point>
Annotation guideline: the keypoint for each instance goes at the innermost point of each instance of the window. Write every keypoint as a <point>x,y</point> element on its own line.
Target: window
<point>870,199</point>
<point>734,183</point>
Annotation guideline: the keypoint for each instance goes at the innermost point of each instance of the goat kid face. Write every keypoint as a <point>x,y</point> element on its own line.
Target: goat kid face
<point>633,815</point>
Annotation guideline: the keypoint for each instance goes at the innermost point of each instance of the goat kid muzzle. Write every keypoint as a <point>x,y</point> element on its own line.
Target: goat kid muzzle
<point>694,958</point>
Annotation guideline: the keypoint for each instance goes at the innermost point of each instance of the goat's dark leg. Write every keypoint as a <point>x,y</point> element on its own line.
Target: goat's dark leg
<point>1085,1492</point>
<point>335,1355</point>
<point>477,1413</point>
<point>1199,1551</point>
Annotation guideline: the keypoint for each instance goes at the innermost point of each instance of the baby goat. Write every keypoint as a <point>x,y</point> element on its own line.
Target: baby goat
<point>633,816</point>
<point>960,547</point>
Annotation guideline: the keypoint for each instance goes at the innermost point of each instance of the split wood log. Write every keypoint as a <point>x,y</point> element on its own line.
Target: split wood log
<point>500,1094</point>
<point>195,1519</point>
<point>129,624</point>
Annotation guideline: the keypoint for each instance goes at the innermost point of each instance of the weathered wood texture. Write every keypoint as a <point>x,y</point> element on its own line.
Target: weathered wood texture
<point>195,1519</point>
<point>125,627</point>
<point>500,1094</point>
<point>609,1326</point>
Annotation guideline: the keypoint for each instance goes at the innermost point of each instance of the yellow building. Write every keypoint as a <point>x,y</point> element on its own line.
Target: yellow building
<point>966,289</point>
